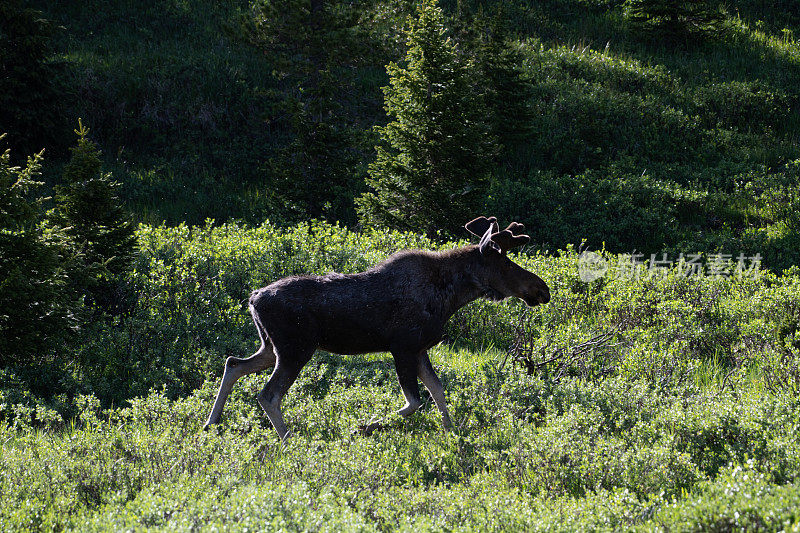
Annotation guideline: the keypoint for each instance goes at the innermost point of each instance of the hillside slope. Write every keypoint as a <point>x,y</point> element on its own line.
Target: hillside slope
<point>204,110</point>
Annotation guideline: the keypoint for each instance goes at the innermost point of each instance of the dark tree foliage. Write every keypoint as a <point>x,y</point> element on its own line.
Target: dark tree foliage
<point>313,174</point>
<point>34,309</point>
<point>433,161</point>
<point>676,20</point>
<point>506,92</point>
<point>98,228</point>
<point>29,99</point>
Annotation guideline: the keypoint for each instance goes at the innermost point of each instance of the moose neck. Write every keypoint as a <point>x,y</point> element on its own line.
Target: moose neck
<point>460,284</point>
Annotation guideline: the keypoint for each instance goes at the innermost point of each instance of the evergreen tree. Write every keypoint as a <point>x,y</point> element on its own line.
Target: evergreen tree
<point>676,20</point>
<point>506,92</point>
<point>29,98</point>
<point>432,164</point>
<point>313,174</point>
<point>34,309</point>
<point>91,215</point>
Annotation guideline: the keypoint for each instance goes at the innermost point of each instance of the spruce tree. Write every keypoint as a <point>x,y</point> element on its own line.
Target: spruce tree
<point>90,213</point>
<point>34,309</point>
<point>30,100</point>
<point>676,20</point>
<point>432,163</point>
<point>314,175</point>
<point>507,93</point>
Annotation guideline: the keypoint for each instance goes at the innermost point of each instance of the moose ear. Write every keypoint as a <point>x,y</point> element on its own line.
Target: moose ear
<point>479,226</point>
<point>487,243</point>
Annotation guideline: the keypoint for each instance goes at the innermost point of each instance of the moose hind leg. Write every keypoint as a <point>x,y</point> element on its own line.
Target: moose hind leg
<point>285,373</point>
<point>235,368</point>
<point>434,386</point>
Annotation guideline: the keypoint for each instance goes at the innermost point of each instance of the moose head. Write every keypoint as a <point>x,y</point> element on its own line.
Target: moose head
<point>502,278</point>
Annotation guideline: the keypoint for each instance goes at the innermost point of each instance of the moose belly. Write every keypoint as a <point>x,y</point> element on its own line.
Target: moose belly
<point>355,338</point>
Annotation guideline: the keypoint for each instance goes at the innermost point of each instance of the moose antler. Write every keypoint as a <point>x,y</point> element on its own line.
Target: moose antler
<point>510,238</point>
<point>507,239</point>
<point>479,226</point>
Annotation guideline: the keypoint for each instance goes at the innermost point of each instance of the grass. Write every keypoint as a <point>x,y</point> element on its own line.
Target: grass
<point>175,98</point>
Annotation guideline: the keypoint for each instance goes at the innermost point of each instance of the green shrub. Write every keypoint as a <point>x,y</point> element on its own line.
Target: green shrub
<point>741,499</point>
<point>616,208</point>
<point>747,106</point>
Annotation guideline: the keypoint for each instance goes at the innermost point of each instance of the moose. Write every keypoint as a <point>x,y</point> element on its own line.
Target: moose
<point>400,305</point>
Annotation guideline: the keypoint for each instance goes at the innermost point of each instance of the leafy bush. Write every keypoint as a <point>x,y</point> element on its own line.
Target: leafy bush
<point>648,430</point>
<point>614,208</point>
<point>741,499</point>
<point>747,106</point>
<point>534,454</point>
<point>192,286</point>
<point>676,19</point>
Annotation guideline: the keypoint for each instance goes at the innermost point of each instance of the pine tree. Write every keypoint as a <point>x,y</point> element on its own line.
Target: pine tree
<point>34,309</point>
<point>506,92</point>
<point>432,164</point>
<point>91,215</point>
<point>313,174</point>
<point>30,102</point>
<point>676,20</point>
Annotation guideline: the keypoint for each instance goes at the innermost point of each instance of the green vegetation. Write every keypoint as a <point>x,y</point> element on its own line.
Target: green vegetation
<point>268,109</point>
<point>684,412</point>
<point>31,98</point>
<point>34,312</point>
<point>676,20</point>
<point>222,146</point>
<point>527,455</point>
<point>95,225</point>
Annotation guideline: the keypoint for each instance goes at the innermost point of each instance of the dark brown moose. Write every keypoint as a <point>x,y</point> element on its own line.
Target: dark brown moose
<point>400,306</point>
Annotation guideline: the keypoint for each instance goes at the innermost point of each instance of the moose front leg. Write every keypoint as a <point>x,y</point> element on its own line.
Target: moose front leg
<point>406,366</point>
<point>407,375</point>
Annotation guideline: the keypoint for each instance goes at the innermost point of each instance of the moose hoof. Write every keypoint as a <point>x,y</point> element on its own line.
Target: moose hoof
<point>286,437</point>
<point>369,428</point>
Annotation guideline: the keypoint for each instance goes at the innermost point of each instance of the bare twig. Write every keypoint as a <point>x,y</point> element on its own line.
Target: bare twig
<point>566,358</point>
